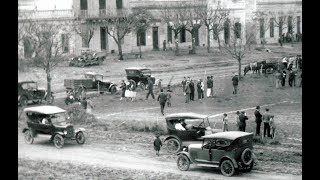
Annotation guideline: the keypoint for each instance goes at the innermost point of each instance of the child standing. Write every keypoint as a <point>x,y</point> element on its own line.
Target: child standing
<point>157,144</point>
<point>225,122</point>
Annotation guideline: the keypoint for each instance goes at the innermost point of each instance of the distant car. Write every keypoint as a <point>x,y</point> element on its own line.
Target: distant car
<point>229,151</point>
<point>28,91</point>
<point>196,125</point>
<point>54,125</point>
<point>140,76</point>
<point>88,57</point>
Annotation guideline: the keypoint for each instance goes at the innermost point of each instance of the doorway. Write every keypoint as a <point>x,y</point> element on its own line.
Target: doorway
<point>155,38</point>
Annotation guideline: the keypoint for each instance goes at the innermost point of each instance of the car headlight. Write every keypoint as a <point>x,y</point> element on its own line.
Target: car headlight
<point>65,132</point>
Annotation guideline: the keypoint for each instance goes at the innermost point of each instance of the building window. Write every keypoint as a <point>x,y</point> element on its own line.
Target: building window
<point>141,37</point>
<point>226,31</point>
<point>119,4</point>
<point>169,33</point>
<point>215,31</point>
<point>103,38</point>
<point>290,24</point>
<point>102,4</point>
<point>83,5</point>
<point>237,30</point>
<point>65,43</point>
<point>183,35</point>
<point>271,27</point>
<point>298,24</point>
<point>261,28</point>
<point>280,26</point>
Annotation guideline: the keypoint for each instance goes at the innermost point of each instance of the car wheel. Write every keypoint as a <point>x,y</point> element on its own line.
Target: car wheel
<point>28,137</point>
<point>227,168</point>
<point>113,90</point>
<point>248,168</point>
<point>23,101</point>
<point>246,157</point>
<point>173,145</point>
<point>80,138</point>
<point>183,163</point>
<point>58,141</point>
<point>142,85</point>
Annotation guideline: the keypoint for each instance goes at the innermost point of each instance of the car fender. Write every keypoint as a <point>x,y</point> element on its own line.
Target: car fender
<point>186,154</point>
<point>231,159</point>
<point>172,136</point>
<point>58,132</point>
<point>79,129</point>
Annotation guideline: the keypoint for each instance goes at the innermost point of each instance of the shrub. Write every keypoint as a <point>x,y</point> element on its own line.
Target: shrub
<point>78,115</point>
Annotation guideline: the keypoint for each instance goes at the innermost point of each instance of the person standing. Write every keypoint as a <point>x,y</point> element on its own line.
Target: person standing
<point>164,45</point>
<point>272,127</point>
<point>188,91</point>
<point>278,79</point>
<point>157,144</point>
<point>266,120</point>
<point>89,105</point>
<point>202,88</point>
<point>225,122</point>
<point>209,86</point>
<point>258,116</point>
<point>300,80</point>
<point>292,78</point>
<point>169,96</point>
<point>184,82</point>
<point>212,86</point>
<point>150,88</point>
<point>162,98</point>
<point>191,90</point>
<point>235,81</point>
<point>199,89</point>
<point>283,80</point>
<point>238,120</point>
<point>242,118</point>
<point>159,84</point>
<point>123,89</point>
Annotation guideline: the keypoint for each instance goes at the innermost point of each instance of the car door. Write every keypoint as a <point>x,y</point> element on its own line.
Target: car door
<point>219,150</point>
<point>203,156</point>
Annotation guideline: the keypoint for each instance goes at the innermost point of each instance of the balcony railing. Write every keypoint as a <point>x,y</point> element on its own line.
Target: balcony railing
<point>102,13</point>
<point>45,14</point>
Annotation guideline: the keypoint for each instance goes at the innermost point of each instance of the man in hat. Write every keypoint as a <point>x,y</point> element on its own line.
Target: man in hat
<point>150,88</point>
<point>258,116</point>
<point>242,118</point>
<point>209,86</point>
<point>162,98</point>
<point>191,84</point>
<point>266,122</point>
<point>157,144</point>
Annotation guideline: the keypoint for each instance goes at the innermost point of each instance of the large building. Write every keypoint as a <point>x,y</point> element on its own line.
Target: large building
<point>241,12</point>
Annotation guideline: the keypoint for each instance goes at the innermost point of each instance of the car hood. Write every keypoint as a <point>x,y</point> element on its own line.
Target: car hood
<point>195,145</point>
<point>61,124</point>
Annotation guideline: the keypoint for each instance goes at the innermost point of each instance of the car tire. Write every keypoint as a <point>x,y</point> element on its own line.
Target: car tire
<point>58,141</point>
<point>80,138</point>
<point>248,168</point>
<point>183,162</point>
<point>227,168</point>
<point>246,157</point>
<point>142,85</point>
<point>113,90</point>
<point>23,101</point>
<point>28,138</point>
<point>173,145</point>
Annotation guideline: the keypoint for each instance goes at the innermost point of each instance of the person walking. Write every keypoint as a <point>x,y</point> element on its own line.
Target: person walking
<point>278,79</point>
<point>123,89</point>
<point>188,91</point>
<point>235,81</point>
<point>258,116</point>
<point>225,122</point>
<point>209,86</point>
<point>157,144</point>
<point>184,82</point>
<point>266,122</point>
<point>162,98</point>
<point>150,89</point>
<point>191,90</point>
<point>242,118</point>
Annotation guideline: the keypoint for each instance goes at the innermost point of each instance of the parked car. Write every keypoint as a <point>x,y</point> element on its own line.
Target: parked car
<point>196,125</point>
<point>51,120</point>
<point>28,91</point>
<point>140,76</point>
<point>88,57</point>
<point>92,82</point>
<point>230,151</point>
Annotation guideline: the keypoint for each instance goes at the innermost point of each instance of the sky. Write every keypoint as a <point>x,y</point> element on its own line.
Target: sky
<point>45,4</point>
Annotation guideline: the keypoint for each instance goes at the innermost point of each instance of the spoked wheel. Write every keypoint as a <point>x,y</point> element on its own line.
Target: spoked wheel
<point>58,141</point>
<point>248,168</point>
<point>142,86</point>
<point>183,163</point>
<point>80,138</point>
<point>113,90</point>
<point>28,137</point>
<point>173,145</point>
<point>227,168</point>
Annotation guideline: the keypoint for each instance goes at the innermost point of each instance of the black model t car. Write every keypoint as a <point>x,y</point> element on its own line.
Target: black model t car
<point>229,151</point>
<point>194,126</point>
<point>51,120</point>
<point>28,91</point>
<point>140,76</point>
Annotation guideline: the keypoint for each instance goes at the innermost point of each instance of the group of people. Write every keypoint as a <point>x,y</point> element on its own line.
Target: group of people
<point>189,87</point>
<point>128,90</point>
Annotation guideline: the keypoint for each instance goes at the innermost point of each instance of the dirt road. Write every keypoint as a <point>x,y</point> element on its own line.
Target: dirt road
<point>102,155</point>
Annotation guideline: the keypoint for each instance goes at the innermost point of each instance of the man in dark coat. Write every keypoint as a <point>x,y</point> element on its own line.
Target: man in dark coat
<point>209,86</point>
<point>242,124</point>
<point>188,91</point>
<point>235,81</point>
<point>191,90</point>
<point>162,98</point>
<point>157,144</point>
<point>123,88</point>
<point>258,116</point>
<point>150,88</point>
<point>292,78</point>
<point>284,75</point>
<point>184,82</point>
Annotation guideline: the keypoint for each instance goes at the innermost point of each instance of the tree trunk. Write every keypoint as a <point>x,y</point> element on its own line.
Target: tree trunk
<point>48,83</point>
<point>176,44</point>
<point>193,43</point>
<point>208,39</point>
<point>120,50</point>
<point>219,42</point>
<point>239,62</point>
<point>140,52</point>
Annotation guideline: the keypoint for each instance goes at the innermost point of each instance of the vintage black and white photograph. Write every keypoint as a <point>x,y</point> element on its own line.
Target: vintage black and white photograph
<point>159,89</point>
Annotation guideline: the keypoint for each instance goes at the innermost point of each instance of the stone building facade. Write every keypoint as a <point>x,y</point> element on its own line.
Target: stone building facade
<point>241,11</point>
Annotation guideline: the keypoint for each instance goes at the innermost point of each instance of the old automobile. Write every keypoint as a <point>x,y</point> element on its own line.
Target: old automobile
<point>91,82</point>
<point>51,121</point>
<point>88,57</point>
<point>140,76</point>
<point>230,151</point>
<point>28,91</point>
<point>195,126</point>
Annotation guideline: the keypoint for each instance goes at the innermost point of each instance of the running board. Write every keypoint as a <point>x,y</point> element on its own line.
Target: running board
<point>208,165</point>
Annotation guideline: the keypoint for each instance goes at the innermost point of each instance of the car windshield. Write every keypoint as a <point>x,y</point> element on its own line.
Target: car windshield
<point>29,86</point>
<point>146,72</point>
<point>196,122</point>
<point>58,118</point>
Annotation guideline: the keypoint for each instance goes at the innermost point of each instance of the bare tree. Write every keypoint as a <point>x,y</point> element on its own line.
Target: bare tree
<point>45,40</point>
<point>262,19</point>
<point>213,19</point>
<point>238,46</point>
<point>85,29</point>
